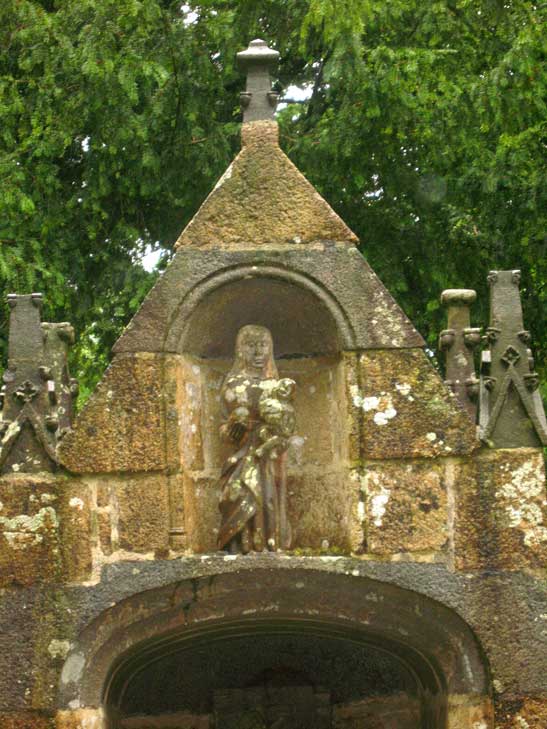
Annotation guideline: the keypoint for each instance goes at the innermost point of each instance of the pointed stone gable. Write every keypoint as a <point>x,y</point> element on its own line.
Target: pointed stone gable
<point>512,413</point>
<point>265,221</point>
<point>338,275</point>
<point>266,249</point>
<point>263,200</point>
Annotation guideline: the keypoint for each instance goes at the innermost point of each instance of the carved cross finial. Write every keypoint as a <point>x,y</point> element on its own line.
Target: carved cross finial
<point>458,343</point>
<point>258,100</point>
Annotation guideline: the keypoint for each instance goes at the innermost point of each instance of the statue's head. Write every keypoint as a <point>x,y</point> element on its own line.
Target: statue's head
<point>254,351</point>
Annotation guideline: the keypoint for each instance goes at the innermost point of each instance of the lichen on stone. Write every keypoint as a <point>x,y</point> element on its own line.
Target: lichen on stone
<point>522,498</point>
<point>24,531</point>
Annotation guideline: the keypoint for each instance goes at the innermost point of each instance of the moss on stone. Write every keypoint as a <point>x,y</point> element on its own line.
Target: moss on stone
<point>262,199</point>
<point>121,427</point>
<point>405,410</point>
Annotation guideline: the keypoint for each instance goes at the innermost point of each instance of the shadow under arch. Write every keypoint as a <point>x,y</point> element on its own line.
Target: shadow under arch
<point>427,687</point>
<point>305,318</point>
<point>426,639</point>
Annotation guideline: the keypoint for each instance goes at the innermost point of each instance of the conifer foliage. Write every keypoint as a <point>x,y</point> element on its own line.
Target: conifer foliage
<point>423,124</point>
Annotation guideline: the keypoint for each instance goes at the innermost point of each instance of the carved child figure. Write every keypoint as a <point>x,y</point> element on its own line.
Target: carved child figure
<point>278,414</point>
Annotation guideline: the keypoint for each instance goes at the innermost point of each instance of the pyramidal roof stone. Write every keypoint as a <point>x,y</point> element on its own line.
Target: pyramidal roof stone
<point>263,200</point>
<point>265,221</point>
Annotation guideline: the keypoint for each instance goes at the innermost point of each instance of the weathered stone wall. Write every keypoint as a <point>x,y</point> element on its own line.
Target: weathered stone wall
<point>401,409</point>
<point>27,720</point>
<point>501,511</point>
<point>371,468</point>
<point>385,470</point>
<point>44,530</point>
<point>40,625</point>
<point>122,427</point>
<point>386,481</point>
<point>407,434</point>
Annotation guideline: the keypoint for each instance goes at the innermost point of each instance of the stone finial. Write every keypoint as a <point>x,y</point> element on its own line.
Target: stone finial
<point>511,410</point>
<point>258,100</point>
<point>37,393</point>
<point>62,389</point>
<point>22,381</point>
<point>458,342</point>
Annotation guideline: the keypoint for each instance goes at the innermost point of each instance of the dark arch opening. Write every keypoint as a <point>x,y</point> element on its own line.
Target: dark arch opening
<point>288,673</point>
<point>300,324</point>
<point>230,626</point>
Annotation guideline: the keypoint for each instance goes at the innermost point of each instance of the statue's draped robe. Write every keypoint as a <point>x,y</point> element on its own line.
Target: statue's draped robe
<point>249,499</point>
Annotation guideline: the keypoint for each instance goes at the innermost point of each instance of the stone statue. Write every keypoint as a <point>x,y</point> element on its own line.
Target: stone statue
<point>260,420</point>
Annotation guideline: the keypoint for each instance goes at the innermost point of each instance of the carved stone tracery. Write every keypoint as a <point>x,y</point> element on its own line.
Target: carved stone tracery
<point>511,412</point>
<point>38,393</point>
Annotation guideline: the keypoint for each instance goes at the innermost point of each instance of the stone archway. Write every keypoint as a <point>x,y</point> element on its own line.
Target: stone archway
<point>305,318</point>
<point>352,648</point>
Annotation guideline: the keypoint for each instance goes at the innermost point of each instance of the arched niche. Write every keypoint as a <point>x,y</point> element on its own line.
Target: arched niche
<point>353,647</point>
<point>303,317</point>
<point>310,331</point>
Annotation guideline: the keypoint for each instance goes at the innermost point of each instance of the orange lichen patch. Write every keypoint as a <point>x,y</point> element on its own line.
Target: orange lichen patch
<point>262,199</point>
<point>26,720</point>
<point>475,712</point>
<point>80,719</point>
<point>121,426</point>
<point>522,713</point>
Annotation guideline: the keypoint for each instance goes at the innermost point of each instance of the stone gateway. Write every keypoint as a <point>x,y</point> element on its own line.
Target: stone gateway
<point>272,512</point>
